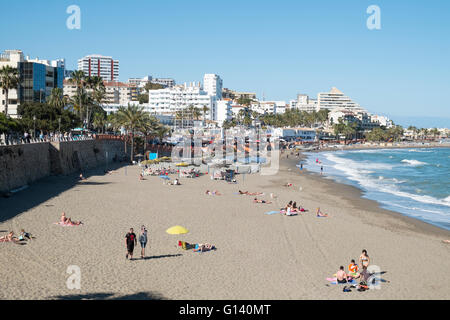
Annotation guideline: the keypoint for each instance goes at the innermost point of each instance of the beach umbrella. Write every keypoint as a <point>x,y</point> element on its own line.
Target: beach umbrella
<point>177,230</point>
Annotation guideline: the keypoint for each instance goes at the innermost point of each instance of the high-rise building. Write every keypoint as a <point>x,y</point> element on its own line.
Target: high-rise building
<point>334,99</point>
<point>37,79</point>
<point>96,65</point>
<point>212,84</point>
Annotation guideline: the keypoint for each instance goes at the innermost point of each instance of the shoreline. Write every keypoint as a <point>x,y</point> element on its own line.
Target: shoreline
<point>377,147</point>
<point>355,196</point>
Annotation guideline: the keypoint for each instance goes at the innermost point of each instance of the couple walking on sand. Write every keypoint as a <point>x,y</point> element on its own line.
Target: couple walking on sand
<point>131,241</point>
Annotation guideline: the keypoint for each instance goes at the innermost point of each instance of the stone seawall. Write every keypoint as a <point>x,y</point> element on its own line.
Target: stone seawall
<point>23,164</point>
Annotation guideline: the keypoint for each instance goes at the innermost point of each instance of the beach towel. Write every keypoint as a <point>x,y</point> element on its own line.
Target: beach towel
<point>67,225</point>
<point>333,281</point>
<point>272,212</point>
<point>205,247</point>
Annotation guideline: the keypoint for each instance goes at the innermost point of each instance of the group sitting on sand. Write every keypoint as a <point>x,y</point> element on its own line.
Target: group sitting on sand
<point>343,278</point>
<point>291,209</point>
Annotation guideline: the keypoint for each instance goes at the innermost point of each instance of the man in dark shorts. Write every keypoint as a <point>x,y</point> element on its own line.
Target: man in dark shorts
<point>341,276</point>
<point>130,241</point>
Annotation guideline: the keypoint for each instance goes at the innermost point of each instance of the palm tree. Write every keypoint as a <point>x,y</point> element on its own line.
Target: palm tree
<point>113,122</point>
<point>148,126</point>
<point>435,132</point>
<point>79,79</point>
<point>57,98</point>
<point>131,117</point>
<point>162,131</point>
<point>205,109</point>
<point>97,94</point>
<point>9,79</point>
<point>99,121</point>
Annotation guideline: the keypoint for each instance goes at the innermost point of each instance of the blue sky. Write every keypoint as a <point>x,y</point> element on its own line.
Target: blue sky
<point>279,48</point>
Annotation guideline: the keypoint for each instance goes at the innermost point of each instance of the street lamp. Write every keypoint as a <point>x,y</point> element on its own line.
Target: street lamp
<point>59,121</point>
<point>34,128</point>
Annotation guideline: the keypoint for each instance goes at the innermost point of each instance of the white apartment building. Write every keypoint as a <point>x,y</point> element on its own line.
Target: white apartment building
<point>364,119</point>
<point>115,92</point>
<point>292,104</point>
<point>165,82</point>
<point>304,103</point>
<point>235,109</point>
<point>140,82</point>
<point>382,121</point>
<point>114,107</point>
<point>97,65</point>
<point>307,134</point>
<point>269,107</point>
<point>213,85</point>
<point>335,99</point>
<point>170,100</point>
<point>224,111</point>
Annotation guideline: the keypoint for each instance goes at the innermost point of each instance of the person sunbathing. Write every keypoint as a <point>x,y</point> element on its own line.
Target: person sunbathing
<point>288,184</point>
<point>68,221</point>
<point>321,214</point>
<point>25,235</point>
<point>256,200</point>
<point>10,237</point>
<point>213,193</point>
<point>204,247</point>
<point>251,193</point>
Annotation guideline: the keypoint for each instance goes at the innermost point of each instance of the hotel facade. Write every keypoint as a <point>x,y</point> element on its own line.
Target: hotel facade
<point>97,65</point>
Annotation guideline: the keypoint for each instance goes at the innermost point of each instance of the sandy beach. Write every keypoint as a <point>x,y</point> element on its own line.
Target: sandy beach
<point>258,256</point>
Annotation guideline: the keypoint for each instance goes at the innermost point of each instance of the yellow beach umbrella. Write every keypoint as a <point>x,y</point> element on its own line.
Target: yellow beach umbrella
<point>182,164</point>
<point>177,230</point>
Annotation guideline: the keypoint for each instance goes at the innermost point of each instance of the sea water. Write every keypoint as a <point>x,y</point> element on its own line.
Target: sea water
<point>414,182</point>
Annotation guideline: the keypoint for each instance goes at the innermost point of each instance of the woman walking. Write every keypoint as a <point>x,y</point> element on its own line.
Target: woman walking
<point>143,240</point>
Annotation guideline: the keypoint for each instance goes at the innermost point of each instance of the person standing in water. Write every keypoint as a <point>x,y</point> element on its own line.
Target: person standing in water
<point>130,241</point>
<point>143,240</point>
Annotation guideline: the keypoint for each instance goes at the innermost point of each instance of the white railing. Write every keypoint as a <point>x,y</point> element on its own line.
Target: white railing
<point>18,141</point>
